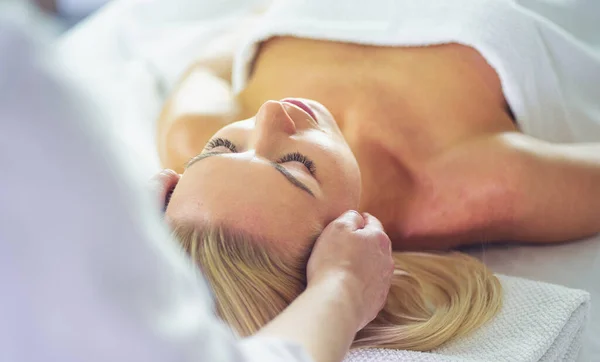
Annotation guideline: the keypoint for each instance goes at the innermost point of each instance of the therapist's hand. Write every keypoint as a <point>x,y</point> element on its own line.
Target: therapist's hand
<point>355,248</point>
<point>162,184</point>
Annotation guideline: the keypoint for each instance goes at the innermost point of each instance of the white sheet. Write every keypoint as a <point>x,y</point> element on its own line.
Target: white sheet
<point>521,332</point>
<point>132,96</point>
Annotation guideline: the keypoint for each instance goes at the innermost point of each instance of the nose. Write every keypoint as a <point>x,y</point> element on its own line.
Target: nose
<point>272,116</point>
<point>273,124</point>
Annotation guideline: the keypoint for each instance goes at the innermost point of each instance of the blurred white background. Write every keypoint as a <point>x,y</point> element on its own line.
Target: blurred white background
<point>71,11</point>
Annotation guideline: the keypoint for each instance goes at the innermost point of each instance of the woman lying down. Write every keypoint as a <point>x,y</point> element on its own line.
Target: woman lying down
<point>447,134</point>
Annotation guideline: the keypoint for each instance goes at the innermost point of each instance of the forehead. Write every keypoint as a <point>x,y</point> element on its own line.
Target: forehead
<point>248,196</point>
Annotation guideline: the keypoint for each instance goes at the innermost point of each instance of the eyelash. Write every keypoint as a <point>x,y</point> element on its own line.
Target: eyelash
<point>298,157</point>
<point>290,157</point>
<point>220,142</point>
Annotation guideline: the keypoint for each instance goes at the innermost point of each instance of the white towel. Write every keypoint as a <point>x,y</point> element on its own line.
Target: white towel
<point>544,52</point>
<point>538,322</point>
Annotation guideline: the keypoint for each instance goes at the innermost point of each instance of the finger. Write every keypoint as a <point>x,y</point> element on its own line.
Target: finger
<point>350,220</point>
<point>374,226</point>
<point>371,222</point>
<point>162,183</point>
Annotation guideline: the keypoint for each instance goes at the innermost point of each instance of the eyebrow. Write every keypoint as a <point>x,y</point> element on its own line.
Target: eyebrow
<point>291,178</point>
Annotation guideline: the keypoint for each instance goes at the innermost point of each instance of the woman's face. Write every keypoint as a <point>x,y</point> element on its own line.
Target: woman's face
<point>283,175</point>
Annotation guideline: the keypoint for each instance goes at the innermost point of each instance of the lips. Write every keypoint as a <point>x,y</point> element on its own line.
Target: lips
<point>302,106</point>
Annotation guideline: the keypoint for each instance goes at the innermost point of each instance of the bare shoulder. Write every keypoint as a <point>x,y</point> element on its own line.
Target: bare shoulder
<point>199,106</point>
<point>466,195</point>
<point>506,187</point>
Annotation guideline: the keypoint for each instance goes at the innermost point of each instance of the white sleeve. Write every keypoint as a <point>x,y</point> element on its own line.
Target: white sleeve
<point>78,8</point>
<point>88,271</point>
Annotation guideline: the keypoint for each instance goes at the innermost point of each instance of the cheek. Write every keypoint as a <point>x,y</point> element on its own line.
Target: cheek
<point>344,186</point>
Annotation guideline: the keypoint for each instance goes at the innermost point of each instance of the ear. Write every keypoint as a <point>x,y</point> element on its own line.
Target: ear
<point>162,185</point>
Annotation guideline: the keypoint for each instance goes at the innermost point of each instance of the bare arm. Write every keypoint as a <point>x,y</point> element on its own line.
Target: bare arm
<point>506,187</point>
<point>320,319</point>
<point>559,185</point>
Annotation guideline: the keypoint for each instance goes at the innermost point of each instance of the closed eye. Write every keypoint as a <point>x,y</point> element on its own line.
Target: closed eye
<point>290,157</point>
<point>298,157</point>
<point>220,142</point>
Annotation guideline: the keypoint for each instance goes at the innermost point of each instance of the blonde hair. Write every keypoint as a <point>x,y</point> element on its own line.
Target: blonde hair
<point>433,298</point>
